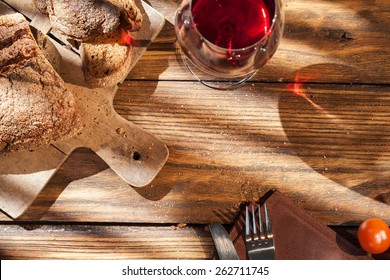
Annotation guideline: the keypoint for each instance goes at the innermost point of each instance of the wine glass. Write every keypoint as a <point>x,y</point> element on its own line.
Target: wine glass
<point>224,42</point>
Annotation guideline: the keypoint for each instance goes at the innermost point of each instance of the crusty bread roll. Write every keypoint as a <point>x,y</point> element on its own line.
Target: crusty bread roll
<point>36,109</point>
<point>91,20</point>
<point>82,20</point>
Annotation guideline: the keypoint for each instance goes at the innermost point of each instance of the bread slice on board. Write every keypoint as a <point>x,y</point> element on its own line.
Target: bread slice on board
<point>36,109</point>
<point>105,65</point>
<point>106,62</point>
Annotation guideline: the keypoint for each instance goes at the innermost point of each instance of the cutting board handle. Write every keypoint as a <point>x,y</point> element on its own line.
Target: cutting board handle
<point>134,154</point>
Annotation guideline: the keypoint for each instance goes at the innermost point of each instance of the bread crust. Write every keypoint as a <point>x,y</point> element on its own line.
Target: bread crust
<point>131,14</point>
<point>83,19</point>
<point>36,109</point>
<point>92,20</point>
<point>41,5</point>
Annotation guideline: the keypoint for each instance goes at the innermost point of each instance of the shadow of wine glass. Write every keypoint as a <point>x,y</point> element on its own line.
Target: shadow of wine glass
<point>341,131</point>
<point>336,32</point>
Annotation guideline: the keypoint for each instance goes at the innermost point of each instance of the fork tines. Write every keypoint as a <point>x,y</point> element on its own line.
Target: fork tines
<point>259,239</point>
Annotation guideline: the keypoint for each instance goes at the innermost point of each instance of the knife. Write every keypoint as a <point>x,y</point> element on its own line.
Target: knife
<point>223,244</point>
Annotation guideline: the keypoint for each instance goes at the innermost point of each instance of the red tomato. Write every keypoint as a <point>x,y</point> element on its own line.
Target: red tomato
<point>374,236</point>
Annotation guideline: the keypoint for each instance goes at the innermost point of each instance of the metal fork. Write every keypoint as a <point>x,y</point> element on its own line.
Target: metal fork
<point>259,242</point>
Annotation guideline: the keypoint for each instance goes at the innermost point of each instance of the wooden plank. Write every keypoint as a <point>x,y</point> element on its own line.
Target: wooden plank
<point>104,242</point>
<point>120,242</point>
<point>23,175</point>
<point>340,41</point>
<point>325,146</point>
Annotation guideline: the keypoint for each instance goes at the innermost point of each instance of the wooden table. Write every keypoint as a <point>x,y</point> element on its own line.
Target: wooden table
<point>313,123</point>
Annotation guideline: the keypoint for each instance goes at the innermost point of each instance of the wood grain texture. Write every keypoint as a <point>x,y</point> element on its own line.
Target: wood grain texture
<point>335,41</point>
<point>313,123</point>
<point>104,242</point>
<point>326,146</point>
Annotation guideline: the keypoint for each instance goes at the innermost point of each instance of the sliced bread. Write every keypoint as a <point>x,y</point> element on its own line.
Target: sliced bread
<point>107,62</point>
<point>105,65</point>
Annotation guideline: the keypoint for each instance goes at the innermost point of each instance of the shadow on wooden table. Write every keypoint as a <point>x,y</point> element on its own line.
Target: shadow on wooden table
<point>154,52</point>
<point>85,164</point>
<point>112,242</point>
<point>350,234</point>
<point>341,131</point>
<point>350,32</point>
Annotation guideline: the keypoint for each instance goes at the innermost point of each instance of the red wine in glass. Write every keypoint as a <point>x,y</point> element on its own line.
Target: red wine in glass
<point>226,41</point>
<point>232,24</point>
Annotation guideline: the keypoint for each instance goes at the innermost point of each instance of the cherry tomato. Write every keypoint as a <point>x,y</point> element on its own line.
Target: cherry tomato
<point>374,236</point>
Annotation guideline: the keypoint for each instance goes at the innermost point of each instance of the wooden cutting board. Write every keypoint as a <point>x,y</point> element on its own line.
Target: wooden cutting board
<point>134,154</point>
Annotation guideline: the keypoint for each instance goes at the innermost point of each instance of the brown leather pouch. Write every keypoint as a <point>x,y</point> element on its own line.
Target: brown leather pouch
<point>297,234</point>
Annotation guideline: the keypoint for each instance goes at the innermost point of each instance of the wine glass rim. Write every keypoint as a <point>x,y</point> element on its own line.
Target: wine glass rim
<point>263,38</point>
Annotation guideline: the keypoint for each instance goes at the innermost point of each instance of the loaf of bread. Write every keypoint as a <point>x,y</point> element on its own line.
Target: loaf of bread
<point>36,109</point>
<point>82,20</point>
<point>91,20</point>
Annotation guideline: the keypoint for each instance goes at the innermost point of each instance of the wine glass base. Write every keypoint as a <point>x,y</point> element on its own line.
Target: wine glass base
<point>212,81</point>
